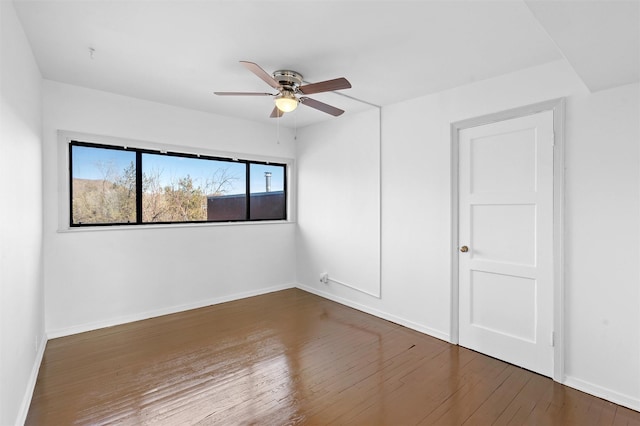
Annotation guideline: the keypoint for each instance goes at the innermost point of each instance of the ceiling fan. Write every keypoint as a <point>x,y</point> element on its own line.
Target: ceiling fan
<point>289,84</point>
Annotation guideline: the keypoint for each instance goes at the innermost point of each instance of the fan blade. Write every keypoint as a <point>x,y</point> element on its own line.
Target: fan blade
<point>276,113</point>
<point>243,94</point>
<point>325,86</point>
<point>255,68</point>
<point>321,106</point>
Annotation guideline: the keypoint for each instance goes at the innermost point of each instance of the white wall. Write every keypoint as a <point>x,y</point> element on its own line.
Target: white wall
<point>21,293</point>
<point>103,277</point>
<point>602,211</point>
<point>602,247</point>
<point>339,201</point>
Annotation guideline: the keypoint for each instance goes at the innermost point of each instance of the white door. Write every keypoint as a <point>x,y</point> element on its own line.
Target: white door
<point>506,240</point>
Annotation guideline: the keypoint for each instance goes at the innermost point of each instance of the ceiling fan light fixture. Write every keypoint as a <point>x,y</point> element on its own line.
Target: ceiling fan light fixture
<point>286,102</point>
<point>289,83</point>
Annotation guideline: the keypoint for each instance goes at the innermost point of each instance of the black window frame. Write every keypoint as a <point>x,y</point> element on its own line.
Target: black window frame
<point>139,179</point>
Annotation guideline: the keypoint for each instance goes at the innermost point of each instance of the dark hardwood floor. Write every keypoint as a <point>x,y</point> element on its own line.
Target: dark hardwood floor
<point>292,358</point>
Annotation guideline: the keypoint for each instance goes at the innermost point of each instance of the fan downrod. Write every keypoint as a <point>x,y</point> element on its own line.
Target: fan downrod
<point>289,80</point>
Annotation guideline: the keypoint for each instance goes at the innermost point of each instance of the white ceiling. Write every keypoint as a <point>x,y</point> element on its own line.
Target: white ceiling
<point>179,52</point>
<point>601,39</point>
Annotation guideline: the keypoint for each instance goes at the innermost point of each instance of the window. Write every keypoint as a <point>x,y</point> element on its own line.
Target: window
<point>113,185</point>
<point>266,191</point>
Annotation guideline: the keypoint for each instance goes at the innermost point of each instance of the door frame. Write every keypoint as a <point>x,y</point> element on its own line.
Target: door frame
<point>557,106</point>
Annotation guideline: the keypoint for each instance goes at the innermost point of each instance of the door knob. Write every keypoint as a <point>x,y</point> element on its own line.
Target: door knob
<point>464,249</point>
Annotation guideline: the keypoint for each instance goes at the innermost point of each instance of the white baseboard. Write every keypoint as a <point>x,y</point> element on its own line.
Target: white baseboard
<point>602,392</point>
<point>31,384</point>
<point>380,314</point>
<point>67,331</point>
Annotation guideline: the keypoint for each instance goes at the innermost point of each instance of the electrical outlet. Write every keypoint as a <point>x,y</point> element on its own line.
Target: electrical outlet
<point>324,278</point>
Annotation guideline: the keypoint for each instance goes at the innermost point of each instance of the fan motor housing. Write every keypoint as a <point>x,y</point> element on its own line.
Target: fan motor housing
<point>290,80</point>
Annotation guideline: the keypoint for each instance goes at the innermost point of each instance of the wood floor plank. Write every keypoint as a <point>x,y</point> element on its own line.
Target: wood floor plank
<point>382,380</point>
<point>292,358</point>
<point>500,398</point>
<point>472,393</point>
<point>525,401</point>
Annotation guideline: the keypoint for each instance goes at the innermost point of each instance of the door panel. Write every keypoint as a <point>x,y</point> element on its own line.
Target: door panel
<point>503,162</point>
<point>506,220</point>
<point>517,318</point>
<point>503,233</point>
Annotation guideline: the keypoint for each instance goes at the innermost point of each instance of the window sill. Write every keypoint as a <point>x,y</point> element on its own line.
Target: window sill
<point>171,226</point>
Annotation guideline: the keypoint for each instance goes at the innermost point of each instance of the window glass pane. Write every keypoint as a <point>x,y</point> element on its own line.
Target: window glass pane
<point>181,189</point>
<point>103,185</point>
<point>268,199</point>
